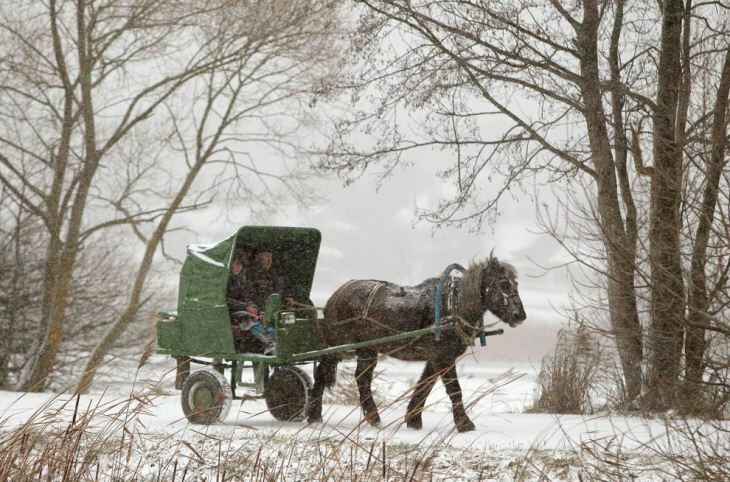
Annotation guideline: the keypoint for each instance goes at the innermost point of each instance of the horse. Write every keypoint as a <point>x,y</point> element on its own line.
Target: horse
<point>362,310</point>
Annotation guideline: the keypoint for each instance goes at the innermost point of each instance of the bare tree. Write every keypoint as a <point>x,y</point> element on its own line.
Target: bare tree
<point>699,294</point>
<point>667,284</point>
<point>99,289</point>
<point>289,47</point>
<point>567,88</point>
<point>108,100</point>
<point>19,285</point>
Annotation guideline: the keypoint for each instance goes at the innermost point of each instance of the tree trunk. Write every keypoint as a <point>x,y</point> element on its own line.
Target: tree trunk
<point>203,155</point>
<point>62,278</point>
<point>42,362</point>
<point>698,302</point>
<point>11,300</point>
<point>44,353</point>
<point>667,286</point>
<point>621,253</point>
<point>50,347</point>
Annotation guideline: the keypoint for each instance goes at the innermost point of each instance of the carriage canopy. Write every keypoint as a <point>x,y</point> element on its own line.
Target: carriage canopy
<point>204,277</point>
<point>202,323</point>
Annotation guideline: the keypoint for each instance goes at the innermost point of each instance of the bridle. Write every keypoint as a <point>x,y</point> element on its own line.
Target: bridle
<point>487,294</point>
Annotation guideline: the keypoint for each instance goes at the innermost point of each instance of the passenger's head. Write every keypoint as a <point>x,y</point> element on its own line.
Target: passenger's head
<point>239,259</point>
<point>264,259</point>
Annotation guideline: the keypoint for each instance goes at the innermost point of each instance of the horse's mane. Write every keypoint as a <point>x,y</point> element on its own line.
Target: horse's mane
<point>470,301</point>
<point>510,269</point>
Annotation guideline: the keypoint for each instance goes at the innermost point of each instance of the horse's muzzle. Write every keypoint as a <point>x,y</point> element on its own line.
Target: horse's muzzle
<point>517,319</point>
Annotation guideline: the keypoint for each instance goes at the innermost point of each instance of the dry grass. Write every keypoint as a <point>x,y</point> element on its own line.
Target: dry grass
<point>569,376</point>
<point>710,400</point>
<point>689,450</point>
<point>96,442</point>
<point>72,439</point>
<point>345,391</point>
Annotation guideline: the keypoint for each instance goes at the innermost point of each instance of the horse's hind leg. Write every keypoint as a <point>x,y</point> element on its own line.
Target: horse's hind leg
<point>420,394</point>
<point>366,361</point>
<point>451,382</point>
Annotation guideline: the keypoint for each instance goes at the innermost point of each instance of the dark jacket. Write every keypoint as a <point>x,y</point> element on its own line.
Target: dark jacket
<point>254,286</point>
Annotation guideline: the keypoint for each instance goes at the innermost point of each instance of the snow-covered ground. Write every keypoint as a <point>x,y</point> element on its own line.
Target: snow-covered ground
<point>507,443</point>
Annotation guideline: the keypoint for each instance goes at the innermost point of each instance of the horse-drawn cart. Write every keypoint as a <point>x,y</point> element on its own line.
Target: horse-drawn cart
<point>200,332</point>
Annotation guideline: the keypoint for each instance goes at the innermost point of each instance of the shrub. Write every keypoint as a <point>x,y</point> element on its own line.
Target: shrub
<point>568,376</point>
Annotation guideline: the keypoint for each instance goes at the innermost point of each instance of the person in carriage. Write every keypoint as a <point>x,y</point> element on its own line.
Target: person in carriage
<point>251,282</point>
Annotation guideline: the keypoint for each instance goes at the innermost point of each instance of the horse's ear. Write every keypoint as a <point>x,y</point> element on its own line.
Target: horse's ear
<point>493,261</point>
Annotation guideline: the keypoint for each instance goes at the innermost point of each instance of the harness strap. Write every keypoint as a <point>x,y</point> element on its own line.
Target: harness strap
<point>438,297</point>
<point>437,310</point>
<point>371,297</point>
<point>365,313</point>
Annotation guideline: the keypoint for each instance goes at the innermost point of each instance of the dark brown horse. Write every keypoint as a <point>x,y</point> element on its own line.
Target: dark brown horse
<point>362,310</point>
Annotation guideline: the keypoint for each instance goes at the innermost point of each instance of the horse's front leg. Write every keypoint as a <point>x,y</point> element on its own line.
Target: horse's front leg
<point>451,383</point>
<point>366,361</point>
<point>420,394</point>
<point>324,376</point>
<point>314,410</point>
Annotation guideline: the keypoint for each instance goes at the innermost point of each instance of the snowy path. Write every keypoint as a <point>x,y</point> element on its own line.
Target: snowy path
<point>503,433</point>
<point>498,426</point>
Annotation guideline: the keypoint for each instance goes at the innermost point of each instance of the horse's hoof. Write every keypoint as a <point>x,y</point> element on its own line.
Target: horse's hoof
<point>314,419</point>
<point>414,423</point>
<point>466,426</point>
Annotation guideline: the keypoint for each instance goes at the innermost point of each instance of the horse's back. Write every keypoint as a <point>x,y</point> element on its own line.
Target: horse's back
<point>361,310</point>
<point>353,300</point>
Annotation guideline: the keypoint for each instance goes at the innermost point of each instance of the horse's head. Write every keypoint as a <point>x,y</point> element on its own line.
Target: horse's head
<point>499,292</point>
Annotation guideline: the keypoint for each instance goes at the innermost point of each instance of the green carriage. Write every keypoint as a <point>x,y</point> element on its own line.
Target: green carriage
<point>200,330</point>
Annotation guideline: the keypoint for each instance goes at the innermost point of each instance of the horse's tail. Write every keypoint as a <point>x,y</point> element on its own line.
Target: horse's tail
<point>326,370</point>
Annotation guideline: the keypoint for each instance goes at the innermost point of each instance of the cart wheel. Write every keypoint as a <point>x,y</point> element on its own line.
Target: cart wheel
<point>206,397</point>
<point>287,393</point>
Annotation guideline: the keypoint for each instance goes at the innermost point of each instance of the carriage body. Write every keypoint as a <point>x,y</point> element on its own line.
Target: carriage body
<point>201,326</point>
